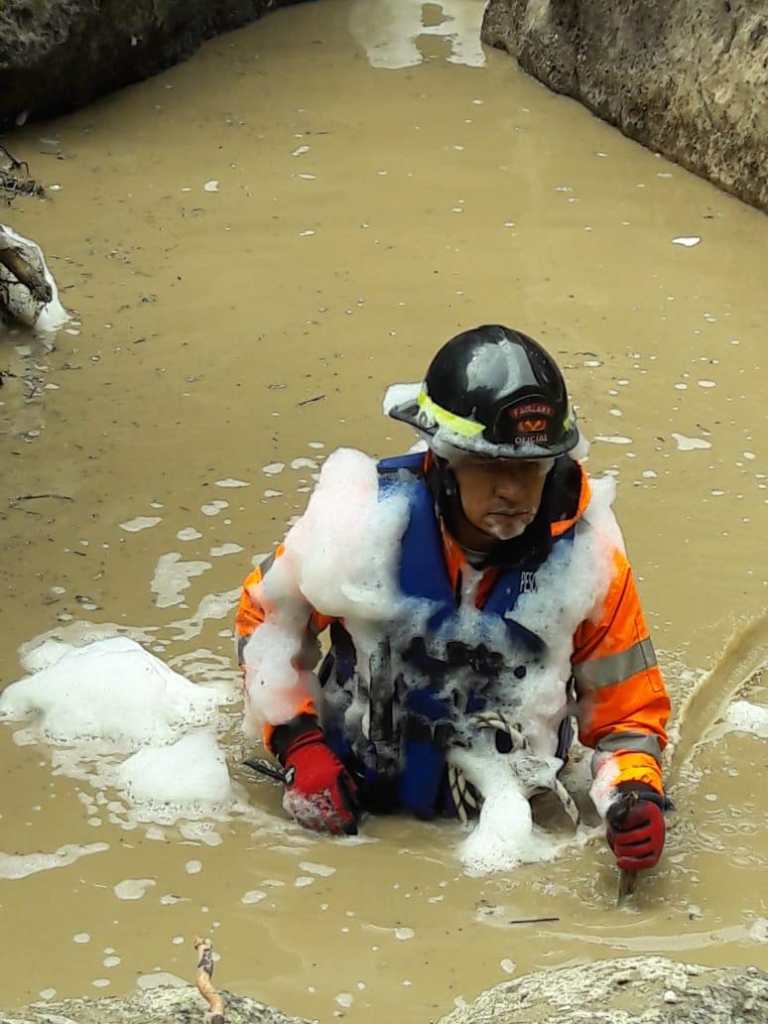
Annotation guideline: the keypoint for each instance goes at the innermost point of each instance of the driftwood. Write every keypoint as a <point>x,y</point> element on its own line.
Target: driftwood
<point>15,178</point>
<point>204,984</point>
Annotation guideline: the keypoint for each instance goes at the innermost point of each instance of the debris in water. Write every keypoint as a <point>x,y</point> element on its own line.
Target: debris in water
<point>533,920</point>
<point>687,240</point>
<point>15,178</point>
<point>211,186</point>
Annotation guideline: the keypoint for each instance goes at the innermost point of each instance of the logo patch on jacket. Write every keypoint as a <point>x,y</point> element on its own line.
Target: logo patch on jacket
<point>527,582</point>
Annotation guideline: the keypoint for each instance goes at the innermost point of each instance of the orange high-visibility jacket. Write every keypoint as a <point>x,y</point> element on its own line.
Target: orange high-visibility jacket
<point>622,705</point>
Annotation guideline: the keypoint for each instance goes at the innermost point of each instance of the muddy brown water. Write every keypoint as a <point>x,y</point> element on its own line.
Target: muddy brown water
<point>363,214</point>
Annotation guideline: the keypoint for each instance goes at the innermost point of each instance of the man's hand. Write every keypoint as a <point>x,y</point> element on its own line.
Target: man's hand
<point>636,827</point>
<point>320,793</point>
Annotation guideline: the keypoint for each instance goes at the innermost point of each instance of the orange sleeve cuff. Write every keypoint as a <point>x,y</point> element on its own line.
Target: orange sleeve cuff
<point>306,708</point>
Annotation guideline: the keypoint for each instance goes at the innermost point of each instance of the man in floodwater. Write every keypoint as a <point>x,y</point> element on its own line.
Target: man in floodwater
<point>478,588</point>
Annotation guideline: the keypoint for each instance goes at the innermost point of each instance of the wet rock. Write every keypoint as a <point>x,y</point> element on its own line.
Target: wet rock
<point>28,291</point>
<point>638,990</point>
<point>56,55</point>
<point>688,78</point>
<point>157,1006</point>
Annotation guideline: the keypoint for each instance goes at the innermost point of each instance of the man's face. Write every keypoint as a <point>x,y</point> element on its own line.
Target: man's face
<point>500,497</point>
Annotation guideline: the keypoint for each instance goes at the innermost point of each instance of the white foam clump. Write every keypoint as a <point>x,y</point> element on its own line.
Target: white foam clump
<point>690,444</point>
<point>687,240</point>
<point>191,772</point>
<point>109,690</point>
<point>344,520</point>
<point>173,576</point>
<point>743,716</point>
<point>21,865</point>
<point>140,523</point>
<point>133,888</point>
<point>504,835</point>
<point>612,439</point>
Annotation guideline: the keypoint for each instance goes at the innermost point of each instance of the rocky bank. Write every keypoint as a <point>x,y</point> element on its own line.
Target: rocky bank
<point>687,78</point>
<point>56,55</point>
<point>636,990</point>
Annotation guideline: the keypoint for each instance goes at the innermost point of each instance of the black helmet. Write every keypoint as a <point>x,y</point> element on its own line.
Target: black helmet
<point>490,391</point>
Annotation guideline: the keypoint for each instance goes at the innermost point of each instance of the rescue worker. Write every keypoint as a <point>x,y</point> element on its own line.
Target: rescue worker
<point>496,500</point>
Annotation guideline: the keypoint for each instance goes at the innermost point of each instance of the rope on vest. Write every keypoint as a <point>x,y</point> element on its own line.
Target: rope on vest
<point>465,796</point>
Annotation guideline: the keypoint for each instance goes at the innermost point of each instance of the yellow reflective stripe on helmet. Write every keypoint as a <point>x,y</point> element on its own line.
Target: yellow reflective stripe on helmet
<point>459,425</point>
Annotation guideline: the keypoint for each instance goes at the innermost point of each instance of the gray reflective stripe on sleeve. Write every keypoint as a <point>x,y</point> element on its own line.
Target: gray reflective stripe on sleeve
<point>266,565</point>
<point>241,642</point>
<point>614,668</point>
<point>637,742</point>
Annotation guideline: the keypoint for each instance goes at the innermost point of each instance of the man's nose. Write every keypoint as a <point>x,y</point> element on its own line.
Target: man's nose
<point>510,486</point>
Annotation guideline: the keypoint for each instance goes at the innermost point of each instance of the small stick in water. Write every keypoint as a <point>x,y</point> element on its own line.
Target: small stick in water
<point>627,879</point>
<point>627,883</point>
<point>533,920</point>
<point>204,983</point>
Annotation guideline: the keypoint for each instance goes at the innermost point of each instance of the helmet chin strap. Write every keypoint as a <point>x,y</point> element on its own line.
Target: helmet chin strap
<point>533,544</point>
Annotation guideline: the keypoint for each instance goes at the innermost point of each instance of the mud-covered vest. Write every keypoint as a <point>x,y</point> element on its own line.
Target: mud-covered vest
<point>409,719</point>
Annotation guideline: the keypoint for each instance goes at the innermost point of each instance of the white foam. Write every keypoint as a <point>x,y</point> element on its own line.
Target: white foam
<point>189,533</point>
<point>133,888</point>
<point>172,577</point>
<point>213,508</point>
<point>225,549</point>
<point>742,716</point>
<point>505,835</point>
<point>232,482</point>
<point>253,896</point>
<point>21,865</point>
<point>686,240</point>
<point>110,690</point>
<point>346,512</point>
<point>690,444</point>
<point>186,777</point>
<point>140,523</point>
<point>612,439</point>
<point>323,870</point>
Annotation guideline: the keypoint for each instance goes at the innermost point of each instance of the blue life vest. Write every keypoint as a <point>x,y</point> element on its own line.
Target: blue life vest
<point>426,715</point>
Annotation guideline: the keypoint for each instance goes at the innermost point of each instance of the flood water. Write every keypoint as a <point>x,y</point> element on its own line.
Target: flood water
<point>372,188</point>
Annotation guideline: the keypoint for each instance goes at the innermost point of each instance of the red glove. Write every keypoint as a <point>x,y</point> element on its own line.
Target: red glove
<point>320,793</point>
<point>636,827</point>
